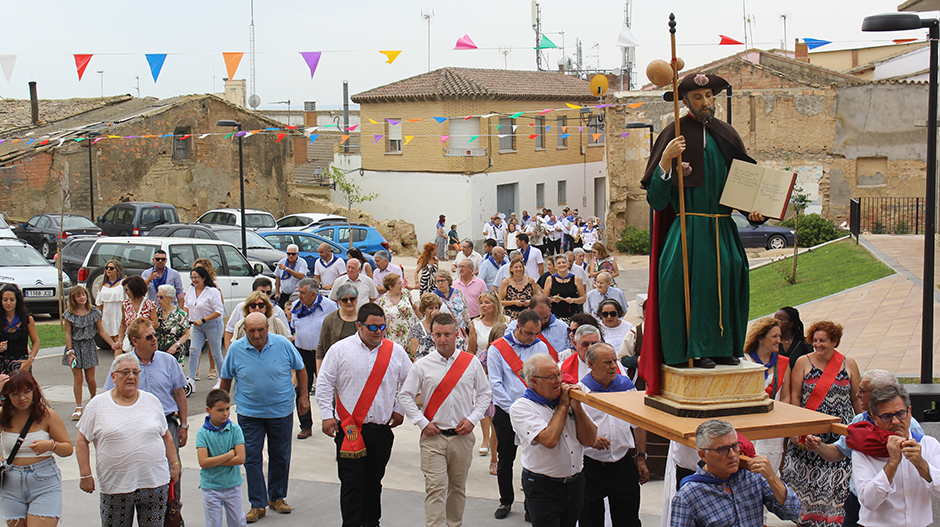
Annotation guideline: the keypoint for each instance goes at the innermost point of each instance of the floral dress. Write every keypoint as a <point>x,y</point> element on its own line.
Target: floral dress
<point>514,294</point>
<point>399,319</point>
<point>84,329</point>
<point>171,329</point>
<point>457,305</point>
<point>605,264</point>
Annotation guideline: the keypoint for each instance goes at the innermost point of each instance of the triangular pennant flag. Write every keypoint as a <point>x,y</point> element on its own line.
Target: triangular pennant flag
<point>548,129</point>
<point>280,136</point>
<point>564,129</point>
<point>502,135</point>
<point>344,138</point>
<point>351,128</point>
<point>203,136</point>
<point>635,105</point>
<point>516,115</point>
<point>626,38</point>
<point>7,62</point>
<point>624,135</point>
<point>467,118</point>
<point>415,120</point>
<point>813,43</point>
<point>596,136</point>
<point>81,62</point>
<point>373,122</point>
<point>241,134</point>
<point>378,138</point>
<point>391,55</point>
<point>156,61</point>
<point>573,106</point>
<point>231,63</point>
<point>185,137</point>
<point>728,41</point>
<point>464,42</point>
<point>444,138</point>
<point>313,137</point>
<point>98,139</point>
<point>472,138</point>
<point>543,112</point>
<point>565,136</point>
<point>580,129</point>
<point>647,136</point>
<point>440,119</point>
<point>533,136</point>
<point>312,58</point>
<point>546,43</point>
<point>599,106</point>
<point>498,127</point>
<point>514,127</point>
<point>393,122</point>
<point>408,138</point>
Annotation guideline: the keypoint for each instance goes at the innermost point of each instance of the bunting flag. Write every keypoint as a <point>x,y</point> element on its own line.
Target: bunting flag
<point>580,129</point>
<point>344,138</point>
<point>231,63</point>
<point>7,62</point>
<point>533,136</point>
<point>408,138</point>
<point>635,105</point>
<point>498,127</point>
<point>514,127</point>
<point>813,43</point>
<point>472,138</point>
<point>596,136</point>
<point>728,41</point>
<point>373,122</point>
<point>543,112</point>
<point>313,137</point>
<point>156,61</point>
<point>573,106</point>
<point>464,42</point>
<point>444,138</point>
<point>548,129</point>
<point>516,115</point>
<point>440,119</point>
<point>414,120</point>
<point>624,135</point>
<point>393,122</point>
<point>564,129</point>
<point>312,58</point>
<point>378,137</point>
<point>467,118</point>
<point>279,137</point>
<point>81,62</point>
<point>565,136</point>
<point>351,128</point>
<point>98,139</point>
<point>626,38</point>
<point>546,44</point>
<point>391,55</point>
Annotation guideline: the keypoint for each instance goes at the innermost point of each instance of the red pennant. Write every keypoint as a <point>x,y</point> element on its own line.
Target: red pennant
<point>279,137</point>
<point>81,62</point>
<point>533,136</point>
<point>185,137</point>
<point>727,41</point>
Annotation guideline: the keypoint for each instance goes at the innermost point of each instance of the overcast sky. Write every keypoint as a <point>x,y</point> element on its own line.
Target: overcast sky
<point>351,33</point>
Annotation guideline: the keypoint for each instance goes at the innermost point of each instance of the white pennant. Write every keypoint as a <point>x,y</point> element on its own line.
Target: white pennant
<point>203,136</point>
<point>7,62</point>
<point>626,38</point>
<point>514,127</point>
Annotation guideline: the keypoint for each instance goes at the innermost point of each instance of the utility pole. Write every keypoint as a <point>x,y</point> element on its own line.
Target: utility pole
<point>138,86</point>
<point>101,74</point>
<point>253,88</point>
<point>428,15</point>
<point>629,53</point>
<point>537,27</point>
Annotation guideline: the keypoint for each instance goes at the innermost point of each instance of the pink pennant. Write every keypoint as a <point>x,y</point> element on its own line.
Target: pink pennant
<point>96,140</point>
<point>543,112</point>
<point>312,58</point>
<point>351,128</point>
<point>81,62</point>
<point>444,138</point>
<point>464,42</point>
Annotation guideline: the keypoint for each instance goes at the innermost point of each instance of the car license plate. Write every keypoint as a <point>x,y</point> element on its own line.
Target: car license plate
<point>35,293</point>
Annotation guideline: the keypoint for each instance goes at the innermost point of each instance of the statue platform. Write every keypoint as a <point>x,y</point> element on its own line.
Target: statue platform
<point>714,392</point>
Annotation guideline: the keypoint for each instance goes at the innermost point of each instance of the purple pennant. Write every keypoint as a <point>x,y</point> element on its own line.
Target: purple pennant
<point>624,136</point>
<point>393,122</point>
<point>312,58</point>
<point>241,134</point>
<point>377,138</point>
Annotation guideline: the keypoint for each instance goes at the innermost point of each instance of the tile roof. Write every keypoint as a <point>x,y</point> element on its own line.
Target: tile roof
<point>460,83</point>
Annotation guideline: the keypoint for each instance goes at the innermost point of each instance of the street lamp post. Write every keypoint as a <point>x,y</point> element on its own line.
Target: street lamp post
<point>91,176</point>
<point>241,179</point>
<point>903,22</point>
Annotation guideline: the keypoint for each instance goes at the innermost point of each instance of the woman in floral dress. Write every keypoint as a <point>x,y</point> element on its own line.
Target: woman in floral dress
<point>399,313</point>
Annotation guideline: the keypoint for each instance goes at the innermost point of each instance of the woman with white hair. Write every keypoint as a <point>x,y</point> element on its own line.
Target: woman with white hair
<point>173,328</point>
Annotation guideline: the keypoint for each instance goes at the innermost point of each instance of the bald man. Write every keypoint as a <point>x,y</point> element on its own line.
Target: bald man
<point>328,267</point>
<point>364,285</point>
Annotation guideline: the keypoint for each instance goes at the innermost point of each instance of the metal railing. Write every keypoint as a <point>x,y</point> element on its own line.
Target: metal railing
<point>891,215</point>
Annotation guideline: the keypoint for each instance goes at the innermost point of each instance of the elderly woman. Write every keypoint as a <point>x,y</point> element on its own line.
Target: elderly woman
<point>610,313</point>
<point>340,323</point>
<point>109,298</point>
<point>205,310</point>
<point>426,268</point>
<point>174,330</point>
<point>136,306</point>
<point>19,339</point>
<point>420,341</point>
<point>399,313</point>
<point>258,302</point>
<point>135,463</point>
<point>32,490</point>
<point>453,299</point>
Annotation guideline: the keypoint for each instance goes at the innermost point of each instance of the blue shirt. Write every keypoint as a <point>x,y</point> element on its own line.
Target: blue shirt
<point>507,387</point>
<point>307,329</point>
<point>265,390</point>
<point>159,377</point>
<point>556,334</point>
<point>708,504</point>
<point>218,443</point>
<point>172,278</point>
<point>488,273</point>
<point>594,299</point>
<point>847,452</point>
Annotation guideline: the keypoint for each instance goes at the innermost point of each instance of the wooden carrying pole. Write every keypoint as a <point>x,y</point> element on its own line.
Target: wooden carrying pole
<point>681,176</point>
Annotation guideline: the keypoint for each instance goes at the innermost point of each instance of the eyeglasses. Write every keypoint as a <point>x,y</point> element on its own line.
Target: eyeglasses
<point>111,268</point>
<point>24,393</point>
<point>549,378</point>
<point>161,297</point>
<point>125,373</point>
<point>374,327</point>
<point>724,450</point>
<point>348,300</point>
<point>888,418</point>
<point>151,337</point>
<point>258,305</point>
<point>608,314</point>
<point>159,259</point>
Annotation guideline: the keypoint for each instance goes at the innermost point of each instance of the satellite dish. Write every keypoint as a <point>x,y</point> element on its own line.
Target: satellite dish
<point>599,85</point>
<point>254,101</point>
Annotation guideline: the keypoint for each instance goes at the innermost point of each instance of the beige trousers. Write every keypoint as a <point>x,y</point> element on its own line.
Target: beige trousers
<point>445,461</point>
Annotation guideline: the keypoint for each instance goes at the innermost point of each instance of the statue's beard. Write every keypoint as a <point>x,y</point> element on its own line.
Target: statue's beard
<point>704,114</point>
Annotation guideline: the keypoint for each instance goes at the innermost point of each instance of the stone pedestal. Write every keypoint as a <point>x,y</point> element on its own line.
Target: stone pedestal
<point>704,393</point>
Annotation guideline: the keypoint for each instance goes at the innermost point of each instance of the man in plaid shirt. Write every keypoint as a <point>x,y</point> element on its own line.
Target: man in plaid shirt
<point>720,494</point>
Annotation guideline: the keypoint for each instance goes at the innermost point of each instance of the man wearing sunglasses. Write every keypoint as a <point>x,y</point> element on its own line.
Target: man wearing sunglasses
<point>263,284</point>
<point>289,272</point>
<point>365,371</point>
<point>160,274</point>
<point>721,494</point>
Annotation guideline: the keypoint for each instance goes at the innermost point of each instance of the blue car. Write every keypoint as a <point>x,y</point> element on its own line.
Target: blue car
<point>365,238</point>
<point>307,242</point>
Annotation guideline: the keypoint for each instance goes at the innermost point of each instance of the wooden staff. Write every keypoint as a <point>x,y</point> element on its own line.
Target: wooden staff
<point>681,175</point>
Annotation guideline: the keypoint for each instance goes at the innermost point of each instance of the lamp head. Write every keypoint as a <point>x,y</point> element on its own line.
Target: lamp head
<point>228,122</point>
<point>892,22</point>
<point>638,125</point>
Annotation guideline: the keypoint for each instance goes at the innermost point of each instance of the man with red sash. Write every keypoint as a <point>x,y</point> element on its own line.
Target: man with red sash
<point>896,470</point>
<point>505,358</point>
<point>365,371</point>
<point>553,331</point>
<point>456,392</point>
<point>576,366</point>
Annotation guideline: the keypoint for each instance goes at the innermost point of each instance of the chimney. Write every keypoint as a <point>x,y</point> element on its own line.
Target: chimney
<point>34,102</point>
<point>801,51</point>
<point>310,113</point>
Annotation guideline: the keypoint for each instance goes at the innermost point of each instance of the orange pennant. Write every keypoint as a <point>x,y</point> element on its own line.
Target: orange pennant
<point>414,120</point>
<point>636,105</point>
<point>596,136</point>
<point>345,138</point>
<point>231,63</point>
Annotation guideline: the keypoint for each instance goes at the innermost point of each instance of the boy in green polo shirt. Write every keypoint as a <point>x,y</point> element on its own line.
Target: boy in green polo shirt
<point>220,445</point>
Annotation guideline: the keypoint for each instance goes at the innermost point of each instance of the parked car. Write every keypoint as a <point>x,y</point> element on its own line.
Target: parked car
<point>307,242</point>
<point>73,254</point>
<point>23,266</point>
<point>6,231</point>
<point>258,248</point>
<point>254,218</point>
<point>767,236</point>
<point>136,218</point>
<point>135,254</point>
<point>299,221</point>
<point>42,230</point>
<point>365,238</point>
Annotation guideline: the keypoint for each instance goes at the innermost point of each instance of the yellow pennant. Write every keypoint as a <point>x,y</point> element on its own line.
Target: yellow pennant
<point>392,55</point>
<point>408,138</point>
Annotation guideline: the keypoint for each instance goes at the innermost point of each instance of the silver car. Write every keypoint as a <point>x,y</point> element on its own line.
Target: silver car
<point>23,266</point>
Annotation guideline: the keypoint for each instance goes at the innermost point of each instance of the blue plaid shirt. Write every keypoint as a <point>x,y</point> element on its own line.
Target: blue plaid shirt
<point>709,505</point>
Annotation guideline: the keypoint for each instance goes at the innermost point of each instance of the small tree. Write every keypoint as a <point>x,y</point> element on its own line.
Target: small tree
<point>353,192</point>
<point>799,201</point>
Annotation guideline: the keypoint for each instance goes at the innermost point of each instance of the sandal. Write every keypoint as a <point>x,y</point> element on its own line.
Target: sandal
<point>212,374</point>
<point>77,414</point>
<point>492,469</point>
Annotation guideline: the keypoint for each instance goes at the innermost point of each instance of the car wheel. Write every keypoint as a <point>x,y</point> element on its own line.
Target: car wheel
<point>777,242</point>
<point>46,249</point>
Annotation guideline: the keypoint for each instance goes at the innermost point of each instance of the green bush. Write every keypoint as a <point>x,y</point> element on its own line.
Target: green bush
<point>634,241</point>
<point>814,229</point>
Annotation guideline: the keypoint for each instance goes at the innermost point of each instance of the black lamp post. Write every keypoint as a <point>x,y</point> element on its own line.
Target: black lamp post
<point>903,22</point>
<point>241,179</point>
<point>91,177</point>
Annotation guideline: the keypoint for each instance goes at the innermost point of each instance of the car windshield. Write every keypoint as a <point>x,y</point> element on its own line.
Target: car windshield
<point>21,256</point>
<point>78,222</point>
<point>130,255</point>
<point>254,240</point>
<point>260,221</point>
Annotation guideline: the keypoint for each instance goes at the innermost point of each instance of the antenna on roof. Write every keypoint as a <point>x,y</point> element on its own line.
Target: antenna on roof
<point>428,15</point>
<point>783,43</point>
<point>506,53</point>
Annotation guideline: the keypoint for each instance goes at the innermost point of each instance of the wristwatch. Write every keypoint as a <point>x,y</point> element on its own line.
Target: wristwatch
<point>640,454</point>
<point>186,427</point>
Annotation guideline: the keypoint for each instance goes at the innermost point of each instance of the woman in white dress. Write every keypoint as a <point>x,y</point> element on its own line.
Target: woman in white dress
<point>491,314</point>
<point>109,298</point>
<point>610,313</point>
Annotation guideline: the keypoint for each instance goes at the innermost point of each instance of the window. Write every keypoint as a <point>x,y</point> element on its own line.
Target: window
<point>34,221</point>
<point>178,233</point>
<point>540,130</point>
<point>200,234</point>
<point>560,125</point>
<point>182,142</point>
<point>507,138</point>
<point>108,216</point>
<point>211,253</point>
<point>359,235</point>
<point>309,244</point>
<point>393,133</point>
<point>44,223</point>
<point>464,138</point>
<point>124,217</point>
<point>539,195</point>
<point>342,235</point>
<point>280,241</point>
<point>182,257</point>
<point>326,233</point>
<point>237,265</point>
<point>596,126</point>
<point>562,192</point>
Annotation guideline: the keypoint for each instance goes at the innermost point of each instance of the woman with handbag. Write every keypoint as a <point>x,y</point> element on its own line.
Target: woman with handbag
<point>31,495</point>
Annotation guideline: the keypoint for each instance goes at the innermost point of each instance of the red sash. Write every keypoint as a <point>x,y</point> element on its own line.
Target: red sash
<point>551,350</point>
<point>353,446</point>
<point>447,384</point>
<point>569,369</point>
<point>509,355</point>
<point>821,390</point>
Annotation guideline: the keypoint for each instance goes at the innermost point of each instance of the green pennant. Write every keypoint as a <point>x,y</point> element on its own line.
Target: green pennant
<point>546,43</point>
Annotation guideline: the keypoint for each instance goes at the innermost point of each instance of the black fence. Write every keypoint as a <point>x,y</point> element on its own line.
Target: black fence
<point>855,219</point>
<point>891,215</point>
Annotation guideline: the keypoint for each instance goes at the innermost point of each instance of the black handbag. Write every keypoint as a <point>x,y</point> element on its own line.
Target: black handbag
<point>16,448</point>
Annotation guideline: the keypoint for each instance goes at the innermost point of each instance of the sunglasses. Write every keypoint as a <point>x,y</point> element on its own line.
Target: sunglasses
<point>608,314</point>
<point>159,259</point>
<point>150,338</point>
<point>348,300</point>
<point>258,305</point>
<point>374,327</point>
<point>291,254</point>
<point>111,268</point>
<point>268,292</point>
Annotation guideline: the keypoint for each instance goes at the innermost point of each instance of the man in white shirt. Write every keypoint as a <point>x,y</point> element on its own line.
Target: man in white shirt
<point>575,366</point>
<point>470,286</point>
<point>467,253</point>
<point>615,467</point>
<point>490,266</point>
<point>603,292</point>
<point>307,314</point>
<point>369,367</point>
<point>895,471</point>
<point>553,228</point>
<point>263,284</point>
<point>456,392</point>
<point>531,256</point>
<point>552,444</point>
<point>495,229</point>
<point>382,269</point>
<point>364,285</point>
<point>328,267</point>
<point>289,272</point>
<point>576,269</point>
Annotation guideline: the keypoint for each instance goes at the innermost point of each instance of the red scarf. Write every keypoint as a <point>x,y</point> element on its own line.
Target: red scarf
<point>868,439</point>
